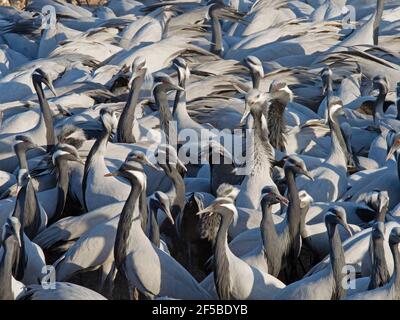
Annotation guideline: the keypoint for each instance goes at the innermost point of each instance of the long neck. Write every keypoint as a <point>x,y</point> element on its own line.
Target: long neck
<point>62,188</point>
<point>216,45</point>
<point>395,280</point>
<point>125,124</point>
<point>154,234</point>
<point>143,209</point>
<point>6,265</point>
<point>398,165</point>
<point>221,261</point>
<point>20,151</point>
<point>180,110</point>
<point>380,274</point>
<point>398,102</point>
<point>46,116</point>
<point>337,263</point>
<point>128,220</point>
<point>378,17</point>
<point>269,235</point>
<point>178,202</point>
<point>96,154</point>
<point>27,210</point>
<point>293,210</point>
<point>304,212</point>
<point>379,103</point>
<point>261,138</point>
<point>328,95</point>
<point>260,153</point>
<point>20,259</point>
<point>161,100</point>
<point>337,156</point>
<point>381,216</point>
<point>256,79</point>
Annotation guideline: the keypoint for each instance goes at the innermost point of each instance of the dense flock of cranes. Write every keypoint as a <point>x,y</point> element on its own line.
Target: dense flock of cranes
<point>99,201</point>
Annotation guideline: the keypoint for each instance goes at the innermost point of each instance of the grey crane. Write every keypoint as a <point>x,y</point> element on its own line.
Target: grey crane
<point>146,267</point>
<point>327,284</point>
<point>259,152</point>
<point>97,191</point>
<point>11,242</point>
<point>42,133</point>
<point>234,279</point>
<point>390,291</point>
<point>127,118</point>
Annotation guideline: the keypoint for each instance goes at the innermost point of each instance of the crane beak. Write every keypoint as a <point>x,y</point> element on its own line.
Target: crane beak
<point>51,87</point>
<point>168,213</point>
<point>307,174</point>
<point>347,228</point>
<point>112,174</point>
<point>382,205</point>
<point>133,77</point>
<point>283,200</point>
<point>181,165</point>
<point>177,88</point>
<point>392,150</point>
<point>209,209</point>
<point>79,160</point>
<point>245,116</point>
<point>36,146</point>
<point>152,165</point>
<point>18,236</point>
<point>16,230</point>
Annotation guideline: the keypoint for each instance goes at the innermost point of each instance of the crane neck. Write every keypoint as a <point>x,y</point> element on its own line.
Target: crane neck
<point>20,258</point>
<point>27,210</point>
<point>154,232</point>
<point>256,77</point>
<point>269,235</point>
<point>261,153</point>
<point>381,216</point>
<point>180,111</point>
<point>338,262</point>
<point>125,124</point>
<point>293,211</point>
<point>96,153</point>
<point>398,103</point>
<point>377,21</point>
<point>304,212</point>
<point>46,116</point>
<point>20,151</point>
<point>161,100</point>
<point>178,201</point>
<point>143,209</point>
<point>10,247</point>
<point>338,153</point>
<point>62,188</point>
<point>395,280</point>
<point>221,260</point>
<point>261,137</point>
<point>129,223</point>
<point>379,112</point>
<point>380,274</point>
<point>216,39</point>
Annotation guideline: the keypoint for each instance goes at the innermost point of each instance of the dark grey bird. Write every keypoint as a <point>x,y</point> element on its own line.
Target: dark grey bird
<point>327,284</point>
<point>389,291</point>
<point>11,243</point>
